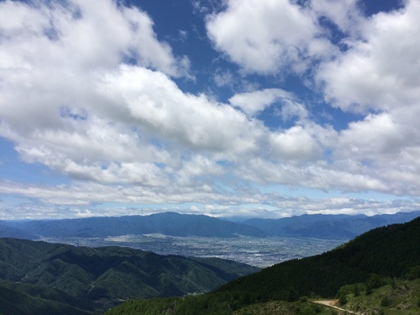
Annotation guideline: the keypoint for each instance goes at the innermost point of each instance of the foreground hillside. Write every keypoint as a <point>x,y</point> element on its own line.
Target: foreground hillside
<point>401,297</point>
<point>369,260</point>
<point>43,278</point>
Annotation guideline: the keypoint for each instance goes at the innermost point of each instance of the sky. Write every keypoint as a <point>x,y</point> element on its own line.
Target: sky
<point>260,108</point>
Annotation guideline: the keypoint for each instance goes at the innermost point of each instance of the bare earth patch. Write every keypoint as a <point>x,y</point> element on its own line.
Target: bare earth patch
<point>333,303</point>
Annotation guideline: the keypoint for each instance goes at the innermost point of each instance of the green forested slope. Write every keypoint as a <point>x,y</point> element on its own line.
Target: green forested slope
<point>23,299</point>
<point>383,253</point>
<point>93,279</point>
<point>387,251</point>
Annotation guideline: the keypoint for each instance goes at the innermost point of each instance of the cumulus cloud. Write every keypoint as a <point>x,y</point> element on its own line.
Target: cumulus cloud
<point>98,102</point>
<point>155,103</point>
<point>265,36</point>
<point>93,116</point>
<point>295,143</point>
<point>377,77</point>
<point>379,71</point>
<point>96,117</point>
<point>344,14</point>
<point>254,102</point>
<point>79,33</point>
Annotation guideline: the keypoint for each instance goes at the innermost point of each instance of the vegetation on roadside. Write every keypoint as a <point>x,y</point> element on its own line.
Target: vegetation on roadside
<point>392,297</point>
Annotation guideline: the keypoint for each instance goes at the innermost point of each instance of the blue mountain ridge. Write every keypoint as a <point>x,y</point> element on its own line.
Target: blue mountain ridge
<point>170,223</point>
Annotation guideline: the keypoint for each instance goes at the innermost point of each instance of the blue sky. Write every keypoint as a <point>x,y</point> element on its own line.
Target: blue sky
<point>226,108</point>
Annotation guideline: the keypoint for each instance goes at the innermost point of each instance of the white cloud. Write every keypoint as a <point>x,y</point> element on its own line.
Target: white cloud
<point>295,143</point>
<point>345,177</point>
<point>379,71</point>
<point>254,102</point>
<point>344,205</point>
<point>154,103</point>
<point>223,78</point>
<point>265,36</point>
<point>78,33</point>
<point>377,77</point>
<point>345,14</point>
<point>74,201</point>
<point>375,135</point>
<point>292,109</point>
<point>82,193</point>
<point>91,116</point>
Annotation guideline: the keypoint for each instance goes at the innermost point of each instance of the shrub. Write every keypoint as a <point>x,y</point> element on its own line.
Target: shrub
<point>385,301</point>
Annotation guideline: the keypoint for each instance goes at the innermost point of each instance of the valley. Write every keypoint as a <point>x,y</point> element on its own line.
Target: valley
<point>257,242</point>
<point>255,251</point>
<point>376,271</point>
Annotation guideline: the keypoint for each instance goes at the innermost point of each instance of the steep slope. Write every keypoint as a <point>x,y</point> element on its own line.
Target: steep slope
<point>383,253</point>
<point>104,276</point>
<point>386,251</point>
<point>22,299</point>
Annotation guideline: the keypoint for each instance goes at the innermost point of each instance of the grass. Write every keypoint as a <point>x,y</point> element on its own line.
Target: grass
<point>303,306</point>
<point>399,297</point>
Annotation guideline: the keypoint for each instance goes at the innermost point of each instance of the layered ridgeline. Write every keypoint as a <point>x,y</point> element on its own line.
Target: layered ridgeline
<point>42,278</point>
<point>169,223</point>
<point>383,255</point>
<point>7,230</point>
<point>335,227</point>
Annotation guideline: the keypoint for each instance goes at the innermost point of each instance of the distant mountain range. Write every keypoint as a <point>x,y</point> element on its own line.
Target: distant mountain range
<point>7,230</point>
<point>384,256</point>
<point>328,226</point>
<point>42,278</point>
<point>337,227</point>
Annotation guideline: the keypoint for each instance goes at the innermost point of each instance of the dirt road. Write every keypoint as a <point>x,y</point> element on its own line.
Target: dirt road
<point>333,303</point>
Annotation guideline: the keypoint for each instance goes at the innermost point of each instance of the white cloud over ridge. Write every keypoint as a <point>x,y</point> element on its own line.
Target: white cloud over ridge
<point>97,102</point>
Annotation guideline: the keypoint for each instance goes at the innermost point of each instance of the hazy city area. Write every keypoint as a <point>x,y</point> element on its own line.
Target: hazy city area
<point>255,251</point>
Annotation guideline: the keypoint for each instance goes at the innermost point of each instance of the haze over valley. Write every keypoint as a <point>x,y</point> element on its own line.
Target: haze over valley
<point>257,242</point>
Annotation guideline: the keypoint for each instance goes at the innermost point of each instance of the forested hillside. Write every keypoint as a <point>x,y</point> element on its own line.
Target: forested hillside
<point>371,259</point>
<point>59,279</point>
<point>387,251</point>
